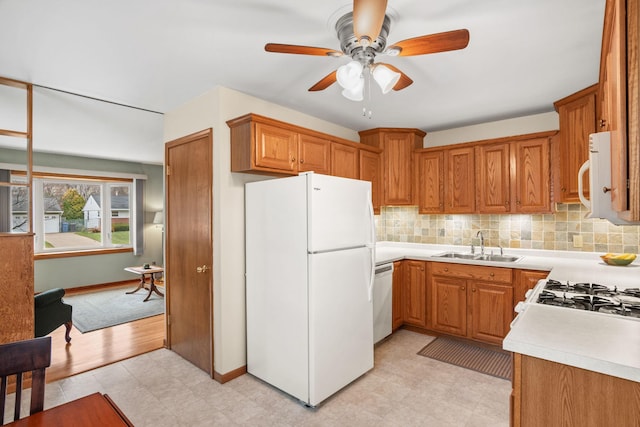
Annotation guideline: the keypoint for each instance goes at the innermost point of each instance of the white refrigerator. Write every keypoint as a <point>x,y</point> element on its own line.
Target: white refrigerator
<point>309,276</point>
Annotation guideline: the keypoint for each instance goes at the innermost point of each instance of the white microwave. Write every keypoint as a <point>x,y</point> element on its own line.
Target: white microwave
<point>599,167</point>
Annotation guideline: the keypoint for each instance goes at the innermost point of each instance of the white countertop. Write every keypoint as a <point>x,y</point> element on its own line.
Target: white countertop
<point>603,343</point>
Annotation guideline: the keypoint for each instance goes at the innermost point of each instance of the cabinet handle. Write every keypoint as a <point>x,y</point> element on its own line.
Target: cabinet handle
<point>463,288</point>
<point>602,122</point>
<point>301,160</point>
<point>563,189</point>
<point>473,290</point>
<point>446,270</point>
<point>491,274</point>
<point>293,159</point>
<point>421,268</point>
<point>517,202</point>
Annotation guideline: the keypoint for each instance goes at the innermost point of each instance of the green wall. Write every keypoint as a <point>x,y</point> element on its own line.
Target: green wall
<point>78,271</point>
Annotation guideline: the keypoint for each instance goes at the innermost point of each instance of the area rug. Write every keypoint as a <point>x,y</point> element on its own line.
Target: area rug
<point>98,310</point>
<point>469,355</point>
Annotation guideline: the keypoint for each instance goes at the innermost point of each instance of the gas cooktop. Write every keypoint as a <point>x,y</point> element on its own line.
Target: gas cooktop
<point>591,297</point>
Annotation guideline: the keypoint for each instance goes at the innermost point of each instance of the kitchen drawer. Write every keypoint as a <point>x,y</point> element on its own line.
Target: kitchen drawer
<point>465,271</point>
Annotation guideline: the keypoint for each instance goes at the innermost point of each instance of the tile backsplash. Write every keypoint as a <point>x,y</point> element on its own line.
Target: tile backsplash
<point>566,229</point>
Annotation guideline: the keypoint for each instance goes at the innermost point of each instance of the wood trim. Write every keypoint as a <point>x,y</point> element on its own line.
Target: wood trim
<point>99,287</point>
<point>223,378</point>
<point>14,133</point>
<point>252,117</point>
<point>591,90</point>
<point>374,131</point>
<point>88,252</point>
<point>14,83</point>
<point>633,116</point>
<point>514,138</point>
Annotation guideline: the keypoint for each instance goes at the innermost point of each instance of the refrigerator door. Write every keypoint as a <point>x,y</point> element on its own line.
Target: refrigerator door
<point>339,213</point>
<point>340,321</point>
<point>276,284</point>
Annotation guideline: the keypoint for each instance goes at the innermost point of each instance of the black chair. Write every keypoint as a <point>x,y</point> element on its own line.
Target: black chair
<point>17,358</point>
<point>51,313</point>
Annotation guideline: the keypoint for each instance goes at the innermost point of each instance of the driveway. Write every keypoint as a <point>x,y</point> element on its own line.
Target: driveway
<point>61,240</point>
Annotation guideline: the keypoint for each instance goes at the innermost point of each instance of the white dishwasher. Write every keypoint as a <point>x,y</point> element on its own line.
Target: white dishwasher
<point>382,301</point>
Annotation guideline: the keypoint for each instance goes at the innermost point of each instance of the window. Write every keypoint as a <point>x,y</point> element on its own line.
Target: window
<point>75,214</point>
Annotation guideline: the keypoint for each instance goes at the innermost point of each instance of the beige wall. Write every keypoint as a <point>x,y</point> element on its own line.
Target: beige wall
<point>518,126</point>
<point>213,109</point>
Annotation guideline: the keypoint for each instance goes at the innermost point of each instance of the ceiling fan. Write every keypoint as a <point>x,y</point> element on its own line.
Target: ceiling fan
<point>363,35</point>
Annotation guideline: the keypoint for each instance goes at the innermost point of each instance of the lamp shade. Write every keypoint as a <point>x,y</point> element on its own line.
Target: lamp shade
<point>385,77</point>
<point>158,218</point>
<point>356,93</point>
<point>349,75</point>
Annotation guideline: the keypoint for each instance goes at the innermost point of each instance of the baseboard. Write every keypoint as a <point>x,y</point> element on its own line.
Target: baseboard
<point>100,287</point>
<point>223,378</point>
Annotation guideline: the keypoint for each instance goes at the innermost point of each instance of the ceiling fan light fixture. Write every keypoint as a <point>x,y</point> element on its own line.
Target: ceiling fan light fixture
<point>349,75</point>
<point>356,93</point>
<point>385,77</point>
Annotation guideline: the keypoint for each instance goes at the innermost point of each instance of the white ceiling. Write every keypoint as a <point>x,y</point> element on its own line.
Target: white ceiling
<point>157,54</point>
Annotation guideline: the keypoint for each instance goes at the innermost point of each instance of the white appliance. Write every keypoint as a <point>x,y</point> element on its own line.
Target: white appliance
<point>309,278</point>
<point>382,302</point>
<point>599,167</point>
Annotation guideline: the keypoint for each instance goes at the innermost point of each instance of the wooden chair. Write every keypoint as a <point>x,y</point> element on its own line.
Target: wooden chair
<point>17,358</point>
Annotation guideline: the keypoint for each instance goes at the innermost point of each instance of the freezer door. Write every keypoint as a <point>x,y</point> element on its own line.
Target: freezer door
<point>340,321</point>
<point>339,213</point>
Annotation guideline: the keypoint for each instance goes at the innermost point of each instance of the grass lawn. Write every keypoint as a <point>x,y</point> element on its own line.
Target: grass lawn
<point>117,237</point>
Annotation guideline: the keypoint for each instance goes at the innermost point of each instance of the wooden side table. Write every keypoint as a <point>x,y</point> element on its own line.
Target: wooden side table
<point>143,272</point>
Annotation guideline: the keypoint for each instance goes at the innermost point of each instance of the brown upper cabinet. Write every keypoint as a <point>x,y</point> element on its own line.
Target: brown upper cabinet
<point>531,183</point>
<point>429,181</point>
<point>617,106</point>
<point>397,161</point>
<point>371,170</point>
<point>344,161</point>
<point>493,178</point>
<point>314,154</point>
<point>460,185</point>
<point>577,115</point>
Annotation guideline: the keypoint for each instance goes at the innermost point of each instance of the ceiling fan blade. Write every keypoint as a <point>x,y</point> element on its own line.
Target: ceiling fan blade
<point>368,16</point>
<point>404,79</point>
<point>301,50</point>
<point>432,43</point>
<point>326,81</point>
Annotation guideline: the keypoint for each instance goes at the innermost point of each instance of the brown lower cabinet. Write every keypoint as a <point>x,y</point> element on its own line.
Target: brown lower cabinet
<point>471,301</point>
<point>553,394</point>
<point>458,299</point>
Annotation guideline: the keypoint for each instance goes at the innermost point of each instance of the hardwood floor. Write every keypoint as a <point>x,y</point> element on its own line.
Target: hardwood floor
<point>103,347</point>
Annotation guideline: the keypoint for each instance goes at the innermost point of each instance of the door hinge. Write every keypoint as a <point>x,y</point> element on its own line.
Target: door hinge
<point>168,319</point>
<point>168,170</point>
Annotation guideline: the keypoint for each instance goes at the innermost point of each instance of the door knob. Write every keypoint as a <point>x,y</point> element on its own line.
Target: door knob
<point>202,269</point>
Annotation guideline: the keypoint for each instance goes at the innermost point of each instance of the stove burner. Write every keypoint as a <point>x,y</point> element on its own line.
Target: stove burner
<point>549,298</point>
<point>591,288</point>
<point>632,292</point>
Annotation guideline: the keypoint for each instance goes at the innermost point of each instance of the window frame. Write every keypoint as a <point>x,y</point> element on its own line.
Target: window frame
<point>105,184</point>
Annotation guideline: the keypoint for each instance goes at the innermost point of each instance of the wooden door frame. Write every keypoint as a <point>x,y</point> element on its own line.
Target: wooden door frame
<point>169,145</point>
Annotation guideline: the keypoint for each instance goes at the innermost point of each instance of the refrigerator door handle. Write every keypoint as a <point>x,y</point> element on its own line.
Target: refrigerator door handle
<point>372,247</point>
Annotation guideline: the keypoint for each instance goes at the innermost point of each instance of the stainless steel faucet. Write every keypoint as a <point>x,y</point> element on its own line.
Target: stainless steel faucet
<point>479,234</point>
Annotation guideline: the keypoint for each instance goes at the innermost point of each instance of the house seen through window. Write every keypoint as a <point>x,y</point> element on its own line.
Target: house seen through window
<point>80,214</point>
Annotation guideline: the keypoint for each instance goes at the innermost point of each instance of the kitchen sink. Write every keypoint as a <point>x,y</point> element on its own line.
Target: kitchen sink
<point>479,257</point>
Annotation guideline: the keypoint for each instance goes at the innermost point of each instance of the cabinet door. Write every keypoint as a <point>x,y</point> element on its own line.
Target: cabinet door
<point>314,154</point>
<point>415,293</point>
<point>398,149</point>
<point>491,311</point>
<point>530,159</point>
<point>525,280</point>
<point>344,161</point>
<point>577,121</point>
<point>449,305</point>
<point>430,182</point>
<point>276,148</point>
<point>398,286</point>
<point>370,170</point>
<point>493,170</point>
<point>613,96</point>
<point>460,185</point>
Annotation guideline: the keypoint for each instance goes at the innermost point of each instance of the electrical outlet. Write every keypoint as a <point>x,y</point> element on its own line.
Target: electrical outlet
<point>577,241</point>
